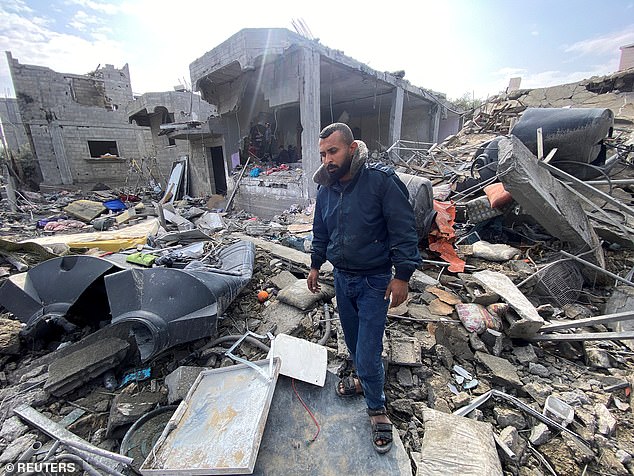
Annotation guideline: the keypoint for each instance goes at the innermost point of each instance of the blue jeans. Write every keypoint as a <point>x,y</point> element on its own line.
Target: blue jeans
<point>363,312</point>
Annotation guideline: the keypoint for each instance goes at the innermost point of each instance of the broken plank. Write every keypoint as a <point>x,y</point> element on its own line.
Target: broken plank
<point>589,321</point>
<point>583,336</point>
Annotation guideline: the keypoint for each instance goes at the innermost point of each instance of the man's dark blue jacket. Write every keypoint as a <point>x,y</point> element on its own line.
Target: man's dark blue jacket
<point>367,224</point>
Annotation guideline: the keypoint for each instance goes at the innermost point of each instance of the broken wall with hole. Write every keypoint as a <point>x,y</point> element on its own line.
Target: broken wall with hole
<point>77,124</point>
<point>177,121</point>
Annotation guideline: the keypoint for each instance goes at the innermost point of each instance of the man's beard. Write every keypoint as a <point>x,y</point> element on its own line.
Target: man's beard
<point>336,172</point>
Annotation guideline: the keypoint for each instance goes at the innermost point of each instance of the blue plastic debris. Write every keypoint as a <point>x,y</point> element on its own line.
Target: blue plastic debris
<point>135,376</point>
<point>114,205</point>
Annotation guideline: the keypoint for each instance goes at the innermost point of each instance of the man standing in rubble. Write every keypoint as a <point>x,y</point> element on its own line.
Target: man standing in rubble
<point>364,225</point>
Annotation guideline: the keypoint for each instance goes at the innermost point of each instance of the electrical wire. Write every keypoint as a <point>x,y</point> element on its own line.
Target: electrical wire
<point>309,412</point>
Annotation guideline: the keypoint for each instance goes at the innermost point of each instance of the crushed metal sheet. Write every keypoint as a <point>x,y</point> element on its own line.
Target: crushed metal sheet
<point>217,429</point>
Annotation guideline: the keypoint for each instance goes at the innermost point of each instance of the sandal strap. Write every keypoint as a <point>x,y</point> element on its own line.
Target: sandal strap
<point>380,411</point>
<point>382,428</point>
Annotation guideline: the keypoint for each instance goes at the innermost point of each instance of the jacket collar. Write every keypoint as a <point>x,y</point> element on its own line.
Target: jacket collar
<point>360,157</point>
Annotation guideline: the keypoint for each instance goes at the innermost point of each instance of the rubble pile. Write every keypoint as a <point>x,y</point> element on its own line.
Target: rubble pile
<point>125,303</point>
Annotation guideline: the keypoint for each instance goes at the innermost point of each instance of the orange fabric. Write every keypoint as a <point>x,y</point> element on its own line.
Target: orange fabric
<point>497,195</point>
<point>442,235</point>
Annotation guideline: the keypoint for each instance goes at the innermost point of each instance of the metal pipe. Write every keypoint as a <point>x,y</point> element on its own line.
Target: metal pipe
<point>328,331</point>
<point>91,459</point>
<point>560,173</point>
<point>234,337</point>
<point>97,451</point>
<point>597,268</point>
<point>76,459</point>
<point>30,451</point>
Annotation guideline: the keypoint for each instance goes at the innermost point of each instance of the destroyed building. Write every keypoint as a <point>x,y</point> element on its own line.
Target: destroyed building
<point>77,125</point>
<point>275,90</point>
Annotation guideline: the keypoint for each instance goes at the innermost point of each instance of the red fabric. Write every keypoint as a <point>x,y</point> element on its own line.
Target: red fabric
<point>442,235</point>
<point>497,195</point>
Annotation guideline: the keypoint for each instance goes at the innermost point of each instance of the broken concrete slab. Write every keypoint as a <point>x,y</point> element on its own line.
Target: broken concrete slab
<point>70,372</point>
<point>545,199</point>
<point>180,381</point>
<point>10,336</point>
<point>17,448</point>
<point>286,319</point>
<point>503,372</point>
<point>419,281</point>
<point>540,434</point>
<point>622,300</point>
<point>283,279</point>
<point>13,428</point>
<point>127,408</point>
<point>606,423</point>
<point>455,338</point>
<point>343,445</point>
<point>457,445</point>
<point>530,321</point>
<point>85,210</point>
<point>525,353</point>
<point>404,351</point>
<point>298,294</point>
<point>509,417</point>
<point>445,296</point>
<point>440,308</point>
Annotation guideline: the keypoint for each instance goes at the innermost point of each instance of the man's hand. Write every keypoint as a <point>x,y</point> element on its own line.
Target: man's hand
<point>398,291</point>
<point>313,281</point>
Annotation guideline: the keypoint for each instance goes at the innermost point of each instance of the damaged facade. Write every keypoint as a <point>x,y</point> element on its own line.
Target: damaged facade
<point>179,128</point>
<point>275,90</point>
<point>76,124</point>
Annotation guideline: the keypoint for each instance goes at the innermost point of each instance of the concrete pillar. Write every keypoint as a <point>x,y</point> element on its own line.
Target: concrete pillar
<point>396,116</point>
<point>59,151</point>
<point>435,122</point>
<point>232,137</point>
<point>310,117</point>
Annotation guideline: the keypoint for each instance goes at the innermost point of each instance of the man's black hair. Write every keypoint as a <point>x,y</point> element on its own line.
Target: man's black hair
<point>346,133</point>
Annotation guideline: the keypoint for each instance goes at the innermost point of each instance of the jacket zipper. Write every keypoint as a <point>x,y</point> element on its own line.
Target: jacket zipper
<point>341,233</point>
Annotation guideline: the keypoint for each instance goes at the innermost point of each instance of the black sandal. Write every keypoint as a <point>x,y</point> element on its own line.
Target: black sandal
<point>347,387</point>
<point>381,431</point>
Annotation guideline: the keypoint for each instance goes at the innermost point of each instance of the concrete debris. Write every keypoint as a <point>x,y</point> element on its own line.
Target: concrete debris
<point>10,336</point>
<point>502,371</point>
<point>70,372</point>
<point>606,423</point>
<point>545,199</point>
<point>298,295</point>
<point>540,434</point>
<point>529,321</point>
<point>180,381</point>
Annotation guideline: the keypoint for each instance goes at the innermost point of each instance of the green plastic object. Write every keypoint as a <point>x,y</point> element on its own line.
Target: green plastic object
<point>142,259</point>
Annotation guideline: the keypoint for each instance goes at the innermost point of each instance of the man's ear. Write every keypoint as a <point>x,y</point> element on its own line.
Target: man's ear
<point>353,147</point>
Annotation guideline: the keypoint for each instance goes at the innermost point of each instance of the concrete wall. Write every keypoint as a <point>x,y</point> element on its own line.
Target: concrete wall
<point>62,112</point>
<point>627,57</point>
<point>14,133</point>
